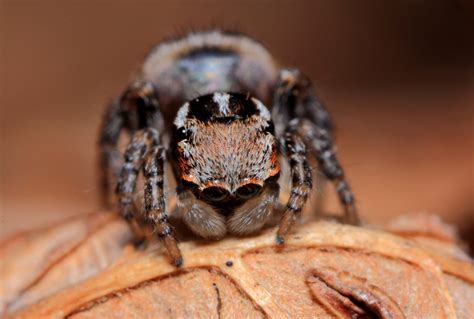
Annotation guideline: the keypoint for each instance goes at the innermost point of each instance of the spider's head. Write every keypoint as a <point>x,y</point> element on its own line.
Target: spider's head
<point>226,148</point>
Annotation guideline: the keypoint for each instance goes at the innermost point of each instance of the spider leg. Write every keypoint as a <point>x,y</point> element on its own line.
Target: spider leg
<point>302,183</point>
<point>295,99</point>
<point>142,116</point>
<point>140,144</point>
<point>299,113</point>
<point>138,108</point>
<point>155,209</point>
<point>323,147</point>
<point>110,158</point>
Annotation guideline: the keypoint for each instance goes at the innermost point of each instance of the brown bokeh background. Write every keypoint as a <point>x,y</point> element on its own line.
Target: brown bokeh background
<point>397,77</point>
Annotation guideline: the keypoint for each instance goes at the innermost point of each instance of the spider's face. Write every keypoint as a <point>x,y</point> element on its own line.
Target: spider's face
<point>226,148</point>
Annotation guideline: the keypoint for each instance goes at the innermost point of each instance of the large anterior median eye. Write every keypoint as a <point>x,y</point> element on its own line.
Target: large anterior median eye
<point>248,191</point>
<point>215,194</point>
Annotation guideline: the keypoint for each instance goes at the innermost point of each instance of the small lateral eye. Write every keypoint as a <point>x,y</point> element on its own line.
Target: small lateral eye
<point>215,194</point>
<point>181,134</point>
<point>248,191</point>
<point>270,128</point>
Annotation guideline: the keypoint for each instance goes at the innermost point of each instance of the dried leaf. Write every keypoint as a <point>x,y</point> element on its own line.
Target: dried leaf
<point>83,268</point>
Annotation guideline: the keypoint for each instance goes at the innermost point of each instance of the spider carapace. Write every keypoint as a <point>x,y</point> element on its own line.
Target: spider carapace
<point>217,108</point>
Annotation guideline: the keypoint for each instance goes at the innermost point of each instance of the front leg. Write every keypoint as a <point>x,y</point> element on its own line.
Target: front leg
<point>140,145</point>
<point>302,183</point>
<point>155,206</point>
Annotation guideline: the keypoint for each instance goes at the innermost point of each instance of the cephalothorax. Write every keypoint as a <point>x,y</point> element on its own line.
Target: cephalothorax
<point>216,106</point>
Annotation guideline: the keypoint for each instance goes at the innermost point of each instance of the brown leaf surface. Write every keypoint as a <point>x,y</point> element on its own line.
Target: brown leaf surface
<point>84,268</point>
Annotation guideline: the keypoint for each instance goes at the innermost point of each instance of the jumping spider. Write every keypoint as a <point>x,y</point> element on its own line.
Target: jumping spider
<point>201,102</point>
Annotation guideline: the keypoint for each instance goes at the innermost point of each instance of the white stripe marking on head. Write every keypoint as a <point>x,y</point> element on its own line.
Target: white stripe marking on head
<point>222,100</point>
<point>264,113</point>
<point>181,116</point>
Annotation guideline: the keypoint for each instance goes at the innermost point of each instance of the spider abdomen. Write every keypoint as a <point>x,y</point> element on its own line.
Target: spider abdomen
<point>207,62</point>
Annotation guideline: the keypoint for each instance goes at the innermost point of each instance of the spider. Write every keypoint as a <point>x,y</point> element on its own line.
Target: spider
<point>215,105</point>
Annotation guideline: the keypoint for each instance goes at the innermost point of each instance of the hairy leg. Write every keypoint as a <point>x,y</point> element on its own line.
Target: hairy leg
<point>322,145</point>
<point>299,112</point>
<point>155,207</point>
<point>301,180</point>
<point>138,108</point>
<point>141,143</point>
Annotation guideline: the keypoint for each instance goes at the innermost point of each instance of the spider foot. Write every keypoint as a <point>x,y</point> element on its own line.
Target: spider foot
<point>173,250</point>
<point>351,216</point>
<point>178,262</point>
<point>280,239</point>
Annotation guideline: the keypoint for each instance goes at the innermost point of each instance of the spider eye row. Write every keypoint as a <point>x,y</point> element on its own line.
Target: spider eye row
<point>218,194</point>
<point>215,194</point>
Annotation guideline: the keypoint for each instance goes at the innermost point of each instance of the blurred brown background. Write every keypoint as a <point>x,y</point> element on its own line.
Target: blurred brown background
<point>396,75</point>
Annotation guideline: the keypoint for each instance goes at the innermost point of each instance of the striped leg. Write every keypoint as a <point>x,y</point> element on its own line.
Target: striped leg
<point>137,109</point>
<point>155,207</point>
<point>140,144</point>
<point>299,110</point>
<point>321,145</point>
<point>302,183</point>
